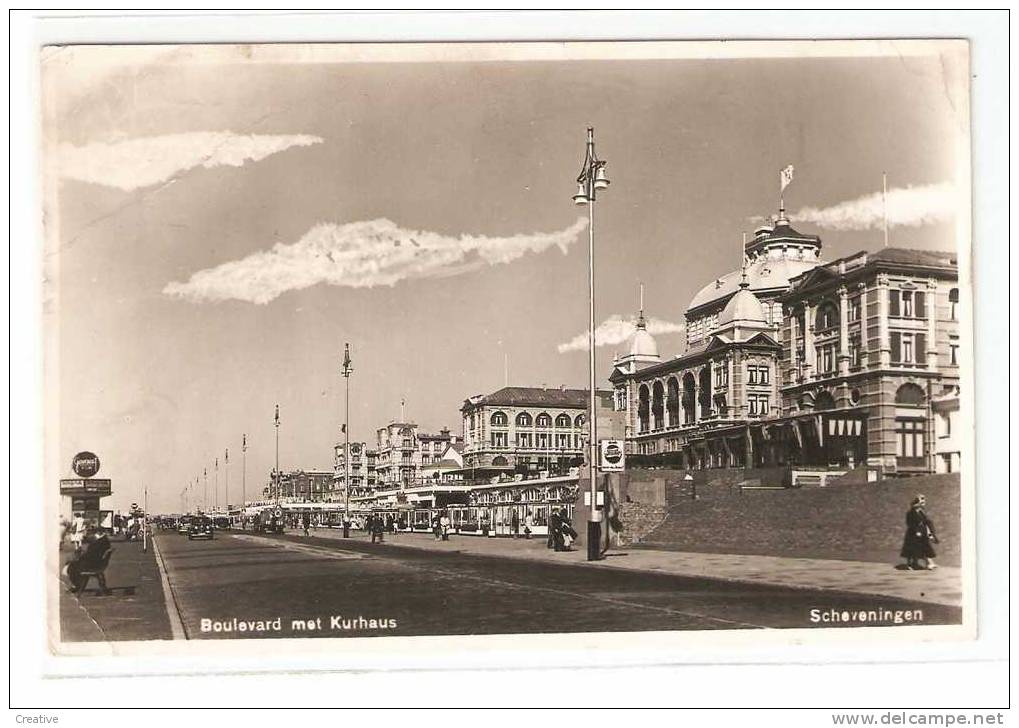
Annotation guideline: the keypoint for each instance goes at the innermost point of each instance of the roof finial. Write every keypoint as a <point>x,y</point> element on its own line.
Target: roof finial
<point>743,263</point>
<point>641,324</point>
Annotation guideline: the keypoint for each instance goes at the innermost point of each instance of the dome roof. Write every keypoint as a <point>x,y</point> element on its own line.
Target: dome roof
<point>643,343</point>
<point>743,307</point>
<point>763,274</point>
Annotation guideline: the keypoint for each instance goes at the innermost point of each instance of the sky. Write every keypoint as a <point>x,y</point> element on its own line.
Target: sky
<point>218,226</point>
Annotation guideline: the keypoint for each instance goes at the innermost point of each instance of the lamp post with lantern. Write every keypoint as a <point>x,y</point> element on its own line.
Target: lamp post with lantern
<point>590,180</point>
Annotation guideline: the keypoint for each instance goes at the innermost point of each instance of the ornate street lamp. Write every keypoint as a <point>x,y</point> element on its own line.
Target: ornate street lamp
<point>591,179</point>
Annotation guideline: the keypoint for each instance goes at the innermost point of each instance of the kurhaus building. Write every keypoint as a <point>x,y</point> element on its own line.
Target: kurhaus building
<point>792,361</point>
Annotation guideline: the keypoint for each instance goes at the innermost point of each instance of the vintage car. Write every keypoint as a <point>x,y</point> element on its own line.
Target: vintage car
<point>183,524</point>
<point>201,527</point>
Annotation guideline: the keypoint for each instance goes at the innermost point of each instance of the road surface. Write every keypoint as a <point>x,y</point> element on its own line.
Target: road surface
<point>243,585</point>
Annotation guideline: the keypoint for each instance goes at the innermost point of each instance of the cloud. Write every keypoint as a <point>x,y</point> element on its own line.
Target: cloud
<point>360,255</point>
<point>132,164</point>
<point>616,329</point>
<point>907,206</point>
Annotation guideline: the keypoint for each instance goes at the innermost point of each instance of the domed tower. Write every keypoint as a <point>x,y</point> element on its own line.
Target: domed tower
<point>772,257</point>
<point>743,316</point>
<point>643,347</point>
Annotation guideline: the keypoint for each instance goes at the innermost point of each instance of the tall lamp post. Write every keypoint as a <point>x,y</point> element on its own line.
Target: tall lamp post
<point>591,179</point>
<point>347,370</point>
<point>276,424</point>
<point>244,468</point>
<point>226,483</point>
<point>215,485</point>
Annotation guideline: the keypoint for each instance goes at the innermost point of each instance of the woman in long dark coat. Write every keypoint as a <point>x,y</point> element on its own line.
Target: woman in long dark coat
<point>919,536</point>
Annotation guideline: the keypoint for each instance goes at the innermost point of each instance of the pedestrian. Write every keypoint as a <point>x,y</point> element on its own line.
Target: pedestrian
<point>77,532</point>
<point>515,524</point>
<point>569,535</point>
<point>920,534</point>
<point>444,524</point>
<point>528,525</point>
<point>554,533</point>
<point>306,522</point>
<point>378,527</point>
<point>90,558</point>
<point>346,525</point>
<point>437,526</point>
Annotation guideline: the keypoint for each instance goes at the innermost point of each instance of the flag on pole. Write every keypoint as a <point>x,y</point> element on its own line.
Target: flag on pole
<point>786,176</point>
<point>226,455</point>
<point>244,442</point>
<point>276,419</point>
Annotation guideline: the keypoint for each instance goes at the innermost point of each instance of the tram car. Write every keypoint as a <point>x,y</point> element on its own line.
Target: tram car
<point>269,520</point>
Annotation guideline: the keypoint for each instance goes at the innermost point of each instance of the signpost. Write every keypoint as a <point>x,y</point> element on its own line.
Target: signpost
<point>612,456</point>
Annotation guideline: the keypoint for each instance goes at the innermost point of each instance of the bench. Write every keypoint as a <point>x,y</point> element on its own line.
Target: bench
<point>98,571</point>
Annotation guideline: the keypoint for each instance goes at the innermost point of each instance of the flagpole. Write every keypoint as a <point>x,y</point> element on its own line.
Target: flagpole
<point>226,485</point>
<point>244,468</point>
<point>884,205</point>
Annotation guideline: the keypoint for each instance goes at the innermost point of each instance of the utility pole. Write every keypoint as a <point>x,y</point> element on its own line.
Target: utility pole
<point>145,520</point>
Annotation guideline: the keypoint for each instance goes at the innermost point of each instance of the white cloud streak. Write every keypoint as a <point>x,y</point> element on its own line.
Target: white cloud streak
<point>615,330</point>
<point>133,164</point>
<point>907,206</point>
<point>360,255</point>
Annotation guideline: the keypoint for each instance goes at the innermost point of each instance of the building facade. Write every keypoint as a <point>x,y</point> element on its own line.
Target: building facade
<point>401,451</point>
<point>361,470</point>
<point>525,430</point>
<point>300,485</point>
<point>791,361</point>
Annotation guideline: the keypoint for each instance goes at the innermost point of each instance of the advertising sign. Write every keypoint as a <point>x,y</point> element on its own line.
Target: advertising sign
<point>85,486</point>
<point>87,503</point>
<point>85,464</point>
<point>612,456</point>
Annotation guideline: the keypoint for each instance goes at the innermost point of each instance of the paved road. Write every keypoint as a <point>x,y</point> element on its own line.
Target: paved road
<point>242,585</point>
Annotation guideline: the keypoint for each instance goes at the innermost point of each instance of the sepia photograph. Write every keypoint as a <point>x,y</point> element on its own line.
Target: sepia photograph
<point>386,341</point>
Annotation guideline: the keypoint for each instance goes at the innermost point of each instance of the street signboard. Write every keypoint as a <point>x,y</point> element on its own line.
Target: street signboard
<point>85,464</point>
<point>85,486</point>
<point>87,503</point>
<point>612,456</point>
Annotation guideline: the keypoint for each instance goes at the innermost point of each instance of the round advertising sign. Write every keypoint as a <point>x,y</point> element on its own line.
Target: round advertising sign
<point>613,453</point>
<point>85,464</point>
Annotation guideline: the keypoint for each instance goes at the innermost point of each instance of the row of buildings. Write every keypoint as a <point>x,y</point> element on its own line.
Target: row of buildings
<point>788,361</point>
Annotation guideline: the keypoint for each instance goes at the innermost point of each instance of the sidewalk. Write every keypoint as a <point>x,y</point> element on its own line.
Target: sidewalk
<point>135,610</point>
<point>942,586</point>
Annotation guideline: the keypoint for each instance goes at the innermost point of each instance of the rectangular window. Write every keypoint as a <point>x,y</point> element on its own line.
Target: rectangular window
<point>764,375</point>
<point>953,352</point>
<point>854,308</point>
<point>893,303</point>
<point>909,440</point>
<point>907,349</point>
<point>907,304</point>
<point>854,350</point>
<point>920,307</point>
<point>751,375</point>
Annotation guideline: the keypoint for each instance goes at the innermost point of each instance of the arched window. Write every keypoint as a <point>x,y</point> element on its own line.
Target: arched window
<point>953,304</point>
<point>563,420</point>
<point>823,402</point>
<point>689,399</point>
<point>499,461</point>
<point>524,420</point>
<point>499,419</point>
<point>543,420</point>
<point>579,421</point>
<point>658,405</point>
<point>644,409</point>
<point>827,316</point>
<point>705,391</point>
<point>672,402</point>
<point>910,395</point>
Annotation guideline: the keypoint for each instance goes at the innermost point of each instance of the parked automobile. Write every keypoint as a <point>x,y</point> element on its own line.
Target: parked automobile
<point>183,524</point>
<point>269,520</point>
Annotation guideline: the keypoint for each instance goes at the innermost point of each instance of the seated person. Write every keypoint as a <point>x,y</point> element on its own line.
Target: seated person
<point>89,558</point>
